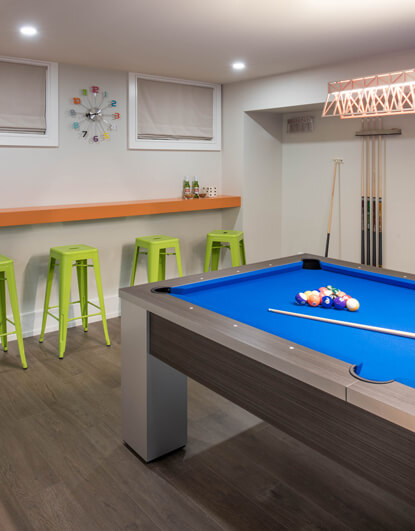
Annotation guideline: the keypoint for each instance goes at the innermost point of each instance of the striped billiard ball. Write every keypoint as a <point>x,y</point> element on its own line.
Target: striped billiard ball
<point>352,305</point>
<point>301,298</point>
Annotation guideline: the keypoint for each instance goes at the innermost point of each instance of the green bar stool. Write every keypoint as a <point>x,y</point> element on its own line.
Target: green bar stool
<point>156,250</point>
<point>7,275</point>
<point>70,256</point>
<point>230,239</point>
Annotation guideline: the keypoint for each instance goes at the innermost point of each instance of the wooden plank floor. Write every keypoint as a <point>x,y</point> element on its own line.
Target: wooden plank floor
<point>63,465</point>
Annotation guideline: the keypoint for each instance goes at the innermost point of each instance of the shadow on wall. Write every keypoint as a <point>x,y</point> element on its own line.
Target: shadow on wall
<point>127,255</point>
<point>35,273</point>
<point>270,121</point>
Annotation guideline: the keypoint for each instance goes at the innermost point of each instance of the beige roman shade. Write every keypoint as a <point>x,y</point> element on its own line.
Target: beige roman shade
<point>22,98</point>
<point>168,110</point>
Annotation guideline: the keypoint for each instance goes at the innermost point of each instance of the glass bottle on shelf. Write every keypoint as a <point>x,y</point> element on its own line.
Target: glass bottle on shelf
<point>186,189</point>
<point>195,188</point>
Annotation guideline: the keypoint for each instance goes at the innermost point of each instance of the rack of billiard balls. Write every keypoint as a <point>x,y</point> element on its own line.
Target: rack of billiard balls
<point>327,297</point>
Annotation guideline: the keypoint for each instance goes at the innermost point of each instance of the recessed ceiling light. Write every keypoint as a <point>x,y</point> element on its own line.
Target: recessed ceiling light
<point>238,65</point>
<point>28,31</point>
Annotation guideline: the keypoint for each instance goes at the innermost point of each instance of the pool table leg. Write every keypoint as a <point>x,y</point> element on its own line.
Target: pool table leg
<point>153,394</point>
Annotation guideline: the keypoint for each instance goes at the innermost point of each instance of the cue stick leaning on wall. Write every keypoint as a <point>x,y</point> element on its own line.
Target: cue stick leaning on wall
<point>380,173</point>
<point>367,198</point>
<point>391,331</point>
<point>362,181</point>
<point>337,163</point>
<point>374,199</point>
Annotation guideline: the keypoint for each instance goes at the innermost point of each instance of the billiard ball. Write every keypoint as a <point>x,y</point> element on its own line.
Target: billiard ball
<point>326,301</point>
<point>313,299</point>
<point>353,305</point>
<point>339,303</point>
<point>301,298</point>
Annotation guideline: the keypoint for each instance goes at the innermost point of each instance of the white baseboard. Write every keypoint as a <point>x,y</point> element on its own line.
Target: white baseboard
<point>32,321</point>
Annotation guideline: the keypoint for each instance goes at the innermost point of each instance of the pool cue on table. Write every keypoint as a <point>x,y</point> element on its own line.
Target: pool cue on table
<point>367,199</point>
<point>362,180</point>
<point>374,209</point>
<point>380,172</point>
<point>336,163</point>
<point>391,331</point>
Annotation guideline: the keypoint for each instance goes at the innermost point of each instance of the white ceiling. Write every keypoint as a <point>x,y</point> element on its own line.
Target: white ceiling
<point>199,39</point>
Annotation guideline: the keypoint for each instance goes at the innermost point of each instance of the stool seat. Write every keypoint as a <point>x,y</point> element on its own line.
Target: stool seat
<point>4,261</point>
<point>69,256</point>
<point>77,252</point>
<point>219,239</point>
<point>7,276</point>
<point>156,249</point>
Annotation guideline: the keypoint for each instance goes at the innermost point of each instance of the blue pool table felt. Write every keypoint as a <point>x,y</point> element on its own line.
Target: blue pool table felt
<point>385,301</point>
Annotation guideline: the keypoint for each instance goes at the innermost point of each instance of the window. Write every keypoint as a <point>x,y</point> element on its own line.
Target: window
<point>173,114</point>
<point>28,102</point>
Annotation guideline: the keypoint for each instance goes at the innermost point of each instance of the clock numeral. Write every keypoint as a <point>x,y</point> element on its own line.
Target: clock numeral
<point>113,103</point>
<point>77,101</point>
<point>113,127</point>
<point>84,133</point>
<point>95,138</point>
<point>73,112</point>
<point>105,94</point>
<point>84,92</point>
<point>76,125</point>
<point>106,135</point>
<point>95,89</point>
<point>116,115</point>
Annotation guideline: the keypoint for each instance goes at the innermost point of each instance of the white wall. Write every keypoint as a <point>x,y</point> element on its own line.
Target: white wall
<point>252,167</point>
<point>262,185</point>
<point>79,172</point>
<point>308,168</point>
<point>303,167</point>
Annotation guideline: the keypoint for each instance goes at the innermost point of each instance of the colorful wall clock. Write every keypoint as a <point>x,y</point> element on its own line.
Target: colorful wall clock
<point>95,115</point>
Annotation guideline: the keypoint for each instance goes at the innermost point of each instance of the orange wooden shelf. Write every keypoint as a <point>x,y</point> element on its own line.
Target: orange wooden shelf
<point>58,213</point>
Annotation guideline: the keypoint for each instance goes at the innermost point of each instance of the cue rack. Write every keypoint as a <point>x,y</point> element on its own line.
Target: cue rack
<point>372,176</point>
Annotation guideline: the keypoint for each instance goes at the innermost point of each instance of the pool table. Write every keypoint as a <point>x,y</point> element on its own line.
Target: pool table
<point>346,392</point>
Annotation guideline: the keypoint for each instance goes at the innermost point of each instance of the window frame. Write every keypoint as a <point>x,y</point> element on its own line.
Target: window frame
<point>215,144</point>
<point>51,136</point>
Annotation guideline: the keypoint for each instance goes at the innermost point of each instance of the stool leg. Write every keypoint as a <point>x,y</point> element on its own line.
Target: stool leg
<point>179,260</point>
<point>242,248</point>
<point>135,260</point>
<point>11,283</point>
<point>216,247</point>
<point>162,265</point>
<point>82,273</point>
<point>3,315</point>
<point>208,255</point>
<point>49,280</point>
<point>65,277</point>
<point>235,254</point>
<point>153,265</point>
<point>97,270</point>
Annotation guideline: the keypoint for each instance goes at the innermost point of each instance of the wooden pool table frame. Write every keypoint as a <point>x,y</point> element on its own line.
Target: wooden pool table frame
<point>369,428</point>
